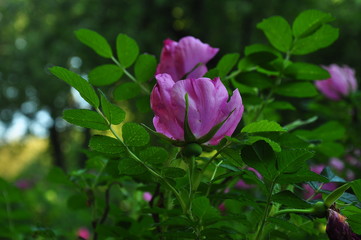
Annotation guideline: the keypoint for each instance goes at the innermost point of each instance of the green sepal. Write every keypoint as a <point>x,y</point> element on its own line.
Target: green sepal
<point>336,194</point>
<point>162,136</point>
<point>188,135</point>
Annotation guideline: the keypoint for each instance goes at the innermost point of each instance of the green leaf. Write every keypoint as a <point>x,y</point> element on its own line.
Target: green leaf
<point>356,187</point>
<point>80,84</point>
<point>262,126</point>
<point>126,91</point>
<point>226,63</point>
<point>281,105</point>
<point>303,175</point>
<point>309,21</point>
<point>154,155</point>
<point>298,123</point>
<point>145,67</point>
<point>261,48</point>
<point>355,222</point>
<point>261,157</point>
<point>297,89</point>
<point>95,41</point>
<point>331,149</point>
<point>173,172</point>
<point>77,201</point>
<point>289,199</point>
<point>105,144</point>
<point>278,32</point>
<point>105,75</point>
<point>203,210</point>
<point>336,194</point>
<point>113,113</point>
<point>58,176</point>
<point>331,176</point>
<point>128,166</point>
<point>275,146</point>
<point>329,131</point>
<point>322,38</point>
<point>292,160</point>
<point>255,79</point>
<point>135,135</point>
<point>212,73</point>
<point>85,118</point>
<point>306,71</point>
<point>127,50</point>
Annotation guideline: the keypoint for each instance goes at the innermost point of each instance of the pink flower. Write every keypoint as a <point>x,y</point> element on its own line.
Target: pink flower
<point>147,196</point>
<point>23,184</point>
<point>341,83</point>
<point>337,164</point>
<point>241,184</point>
<point>208,107</point>
<point>83,233</point>
<point>309,191</point>
<point>180,59</point>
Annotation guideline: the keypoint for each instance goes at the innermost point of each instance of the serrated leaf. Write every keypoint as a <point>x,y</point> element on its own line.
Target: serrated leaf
<point>309,21</point>
<point>289,199</point>
<point>298,123</point>
<point>126,91</point>
<point>80,84</point>
<point>292,160</point>
<point>297,89</point>
<point>135,135</point>
<point>145,67</point>
<point>275,146</point>
<point>356,187</point>
<point>226,63</point>
<point>302,175</point>
<point>113,113</point>
<point>95,41</point>
<point>128,166</point>
<point>331,176</point>
<point>306,71</point>
<point>105,75</point>
<point>278,32</point>
<point>262,126</point>
<point>105,144</point>
<point>261,157</point>
<point>127,50</point>
<point>203,210</point>
<point>154,155</point>
<point>355,222</point>
<point>85,118</point>
<point>322,38</point>
<point>173,172</point>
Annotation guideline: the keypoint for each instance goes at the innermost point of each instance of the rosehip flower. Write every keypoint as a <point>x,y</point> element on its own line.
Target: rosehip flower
<point>337,227</point>
<point>207,109</point>
<point>147,196</point>
<point>83,232</point>
<point>309,191</point>
<point>188,57</point>
<point>341,83</point>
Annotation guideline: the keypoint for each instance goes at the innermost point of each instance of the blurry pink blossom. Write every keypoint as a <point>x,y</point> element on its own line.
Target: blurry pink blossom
<point>186,57</point>
<point>341,83</point>
<point>23,184</point>
<point>147,196</point>
<point>337,164</point>
<point>83,232</point>
<point>222,207</point>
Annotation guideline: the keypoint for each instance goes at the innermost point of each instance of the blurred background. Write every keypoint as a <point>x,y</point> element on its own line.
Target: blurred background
<point>38,34</point>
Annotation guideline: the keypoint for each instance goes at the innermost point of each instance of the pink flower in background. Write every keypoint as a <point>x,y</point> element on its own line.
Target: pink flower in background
<point>147,196</point>
<point>83,233</point>
<point>23,184</point>
<point>179,59</point>
<point>208,106</point>
<point>341,83</point>
<point>241,184</point>
<point>309,191</point>
<point>337,164</point>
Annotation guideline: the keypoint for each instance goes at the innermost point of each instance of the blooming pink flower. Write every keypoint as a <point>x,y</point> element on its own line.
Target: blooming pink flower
<point>147,196</point>
<point>341,83</point>
<point>180,59</point>
<point>83,233</point>
<point>208,107</point>
<point>241,184</point>
<point>309,191</point>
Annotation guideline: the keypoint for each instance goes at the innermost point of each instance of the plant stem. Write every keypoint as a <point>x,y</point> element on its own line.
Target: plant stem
<point>293,210</point>
<point>150,170</point>
<point>265,213</point>
<point>8,213</point>
<point>130,75</point>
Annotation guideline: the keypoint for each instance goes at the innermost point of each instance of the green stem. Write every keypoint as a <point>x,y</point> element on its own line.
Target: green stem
<point>293,210</point>
<point>130,75</point>
<point>8,212</point>
<point>213,175</point>
<point>265,213</point>
<point>214,157</point>
<point>150,170</point>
